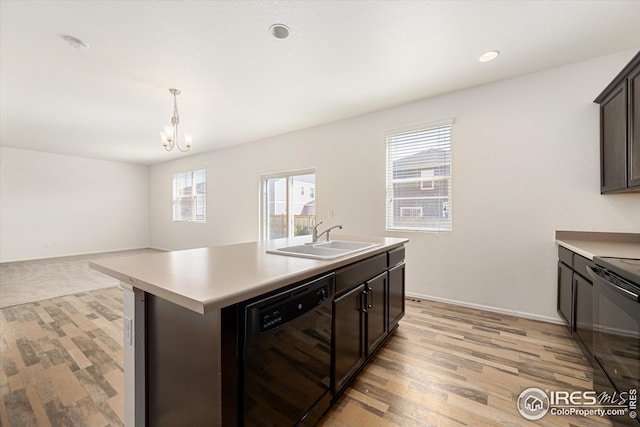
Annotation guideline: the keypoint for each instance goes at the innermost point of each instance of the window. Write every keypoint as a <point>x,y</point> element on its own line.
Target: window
<point>190,196</point>
<point>419,178</point>
<point>427,184</point>
<point>288,209</point>
<point>410,211</point>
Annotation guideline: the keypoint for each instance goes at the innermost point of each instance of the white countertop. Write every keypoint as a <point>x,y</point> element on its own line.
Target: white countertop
<point>208,279</point>
<point>601,244</point>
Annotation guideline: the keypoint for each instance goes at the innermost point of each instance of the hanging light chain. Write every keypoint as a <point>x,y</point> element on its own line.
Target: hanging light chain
<point>170,134</point>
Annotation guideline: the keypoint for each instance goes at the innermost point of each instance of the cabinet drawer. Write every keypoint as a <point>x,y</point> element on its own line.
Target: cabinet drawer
<point>395,256</point>
<point>580,264</point>
<point>360,272</point>
<point>565,255</point>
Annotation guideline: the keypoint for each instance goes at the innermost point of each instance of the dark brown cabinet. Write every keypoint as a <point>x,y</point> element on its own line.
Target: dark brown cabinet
<point>634,128</point>
<point>613,144</point>
<point>584,311</point>
<point>368,304</point>
<point>565,293</point>
<point>575,297</point>
<point>396,295</point>
<point>348,336</point>
<point>620,131</point>
<point>375,312</point>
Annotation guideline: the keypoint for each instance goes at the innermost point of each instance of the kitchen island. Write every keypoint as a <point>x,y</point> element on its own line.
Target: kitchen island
<point>180,319</point>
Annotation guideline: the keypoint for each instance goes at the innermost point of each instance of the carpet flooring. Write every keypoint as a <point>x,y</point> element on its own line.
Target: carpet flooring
<point>30,281</point>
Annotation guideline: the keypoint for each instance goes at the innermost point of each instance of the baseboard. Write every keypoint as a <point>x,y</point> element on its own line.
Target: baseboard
<point>158,248</point>
<point>515,313</point>
<point>74,254</point>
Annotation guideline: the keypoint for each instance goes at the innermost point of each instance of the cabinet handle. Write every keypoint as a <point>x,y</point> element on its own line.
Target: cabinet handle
<point>363,301</point>
<point>372,301</point>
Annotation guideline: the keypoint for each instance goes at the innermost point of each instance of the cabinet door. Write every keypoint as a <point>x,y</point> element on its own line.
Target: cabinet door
<point>396,295</point>
<point>376,300</point>
<point>565,293</point>
<point>348,336</point>
<point>634,128</point>
<point>613,140</point>
<point>584,311</point>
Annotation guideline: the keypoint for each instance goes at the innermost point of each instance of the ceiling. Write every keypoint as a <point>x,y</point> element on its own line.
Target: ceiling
<point>240,84</point>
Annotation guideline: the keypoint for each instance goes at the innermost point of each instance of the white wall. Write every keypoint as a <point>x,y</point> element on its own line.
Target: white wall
<point>55,205</point>
<point>525,163</point>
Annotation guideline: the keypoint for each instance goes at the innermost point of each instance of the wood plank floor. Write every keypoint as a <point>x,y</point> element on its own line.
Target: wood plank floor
<point>448,365</point>
<point>61,365</point>
<point>62,362</point>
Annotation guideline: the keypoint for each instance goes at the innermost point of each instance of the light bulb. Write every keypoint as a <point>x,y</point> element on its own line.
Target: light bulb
<point>168,131</point>
<point>188,139</point>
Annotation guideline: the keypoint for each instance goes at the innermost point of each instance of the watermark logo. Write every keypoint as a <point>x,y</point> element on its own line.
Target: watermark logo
<point>533,403</point>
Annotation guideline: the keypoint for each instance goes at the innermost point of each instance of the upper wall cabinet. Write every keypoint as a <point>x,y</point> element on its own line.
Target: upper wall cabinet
<point>620,131</point>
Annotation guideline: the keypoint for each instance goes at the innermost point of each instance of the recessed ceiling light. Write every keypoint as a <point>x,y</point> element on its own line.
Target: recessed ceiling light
<point>75,42</point>
<point>279,31</point>
<point>489,56</point>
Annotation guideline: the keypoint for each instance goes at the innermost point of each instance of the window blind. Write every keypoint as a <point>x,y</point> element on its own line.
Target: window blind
<point>419,178</point>
<point>190,196</point>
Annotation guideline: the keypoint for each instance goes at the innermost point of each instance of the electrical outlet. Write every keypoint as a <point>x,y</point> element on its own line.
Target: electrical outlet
<point>127,330</point>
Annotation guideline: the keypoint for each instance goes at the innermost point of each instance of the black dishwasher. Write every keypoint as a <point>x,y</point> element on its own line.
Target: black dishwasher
<point>286,356</point>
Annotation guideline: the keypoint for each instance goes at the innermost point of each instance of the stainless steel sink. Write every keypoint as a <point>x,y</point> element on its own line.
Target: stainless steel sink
<point>323,250</point>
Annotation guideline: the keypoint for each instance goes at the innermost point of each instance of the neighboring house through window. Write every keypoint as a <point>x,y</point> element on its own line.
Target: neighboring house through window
<point>419,178</point>
<point>190,196</point>
<point>288,204</point>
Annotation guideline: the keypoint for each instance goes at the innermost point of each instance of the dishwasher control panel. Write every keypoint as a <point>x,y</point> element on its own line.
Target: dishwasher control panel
<point>284,307</point>
<point>291,307</point>
<point>271,319</point>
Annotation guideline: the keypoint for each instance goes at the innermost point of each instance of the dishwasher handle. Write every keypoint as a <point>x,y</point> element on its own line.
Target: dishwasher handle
<point>615,283</point>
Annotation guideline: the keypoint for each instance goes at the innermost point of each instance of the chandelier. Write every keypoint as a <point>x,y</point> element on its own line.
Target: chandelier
<point>170,133</point>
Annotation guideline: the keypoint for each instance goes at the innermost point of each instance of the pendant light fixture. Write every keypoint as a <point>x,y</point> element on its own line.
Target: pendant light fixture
<point>170,133</point>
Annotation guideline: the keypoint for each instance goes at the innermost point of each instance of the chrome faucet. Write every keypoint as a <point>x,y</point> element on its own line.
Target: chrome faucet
<point>316,236</point>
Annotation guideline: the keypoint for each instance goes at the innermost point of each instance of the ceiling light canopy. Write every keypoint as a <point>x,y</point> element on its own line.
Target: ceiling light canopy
<point>169,135</point>
<point>489,55</point>
<point>279,31</point>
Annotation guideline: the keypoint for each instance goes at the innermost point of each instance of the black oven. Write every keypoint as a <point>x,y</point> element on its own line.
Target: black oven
<point>616,322</point>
